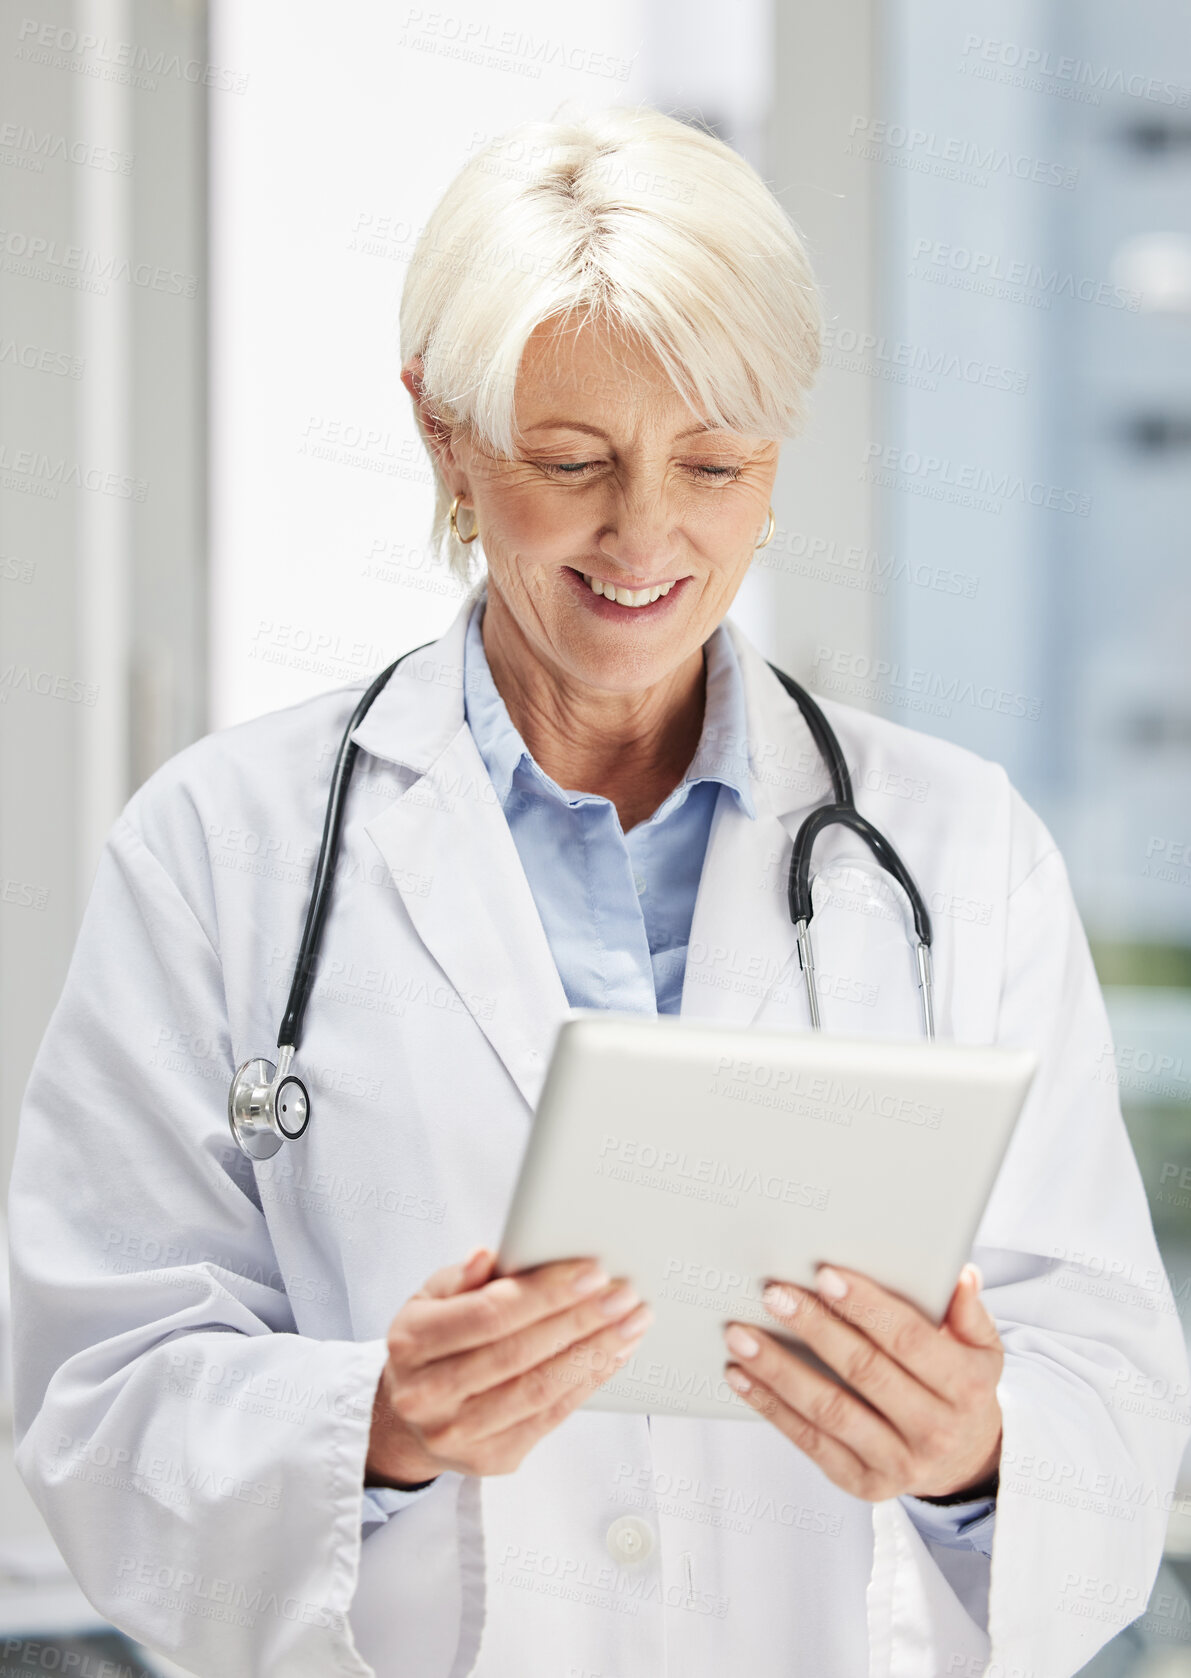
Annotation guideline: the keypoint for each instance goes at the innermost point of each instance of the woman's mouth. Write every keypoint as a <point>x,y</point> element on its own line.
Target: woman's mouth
<point>606,597</point>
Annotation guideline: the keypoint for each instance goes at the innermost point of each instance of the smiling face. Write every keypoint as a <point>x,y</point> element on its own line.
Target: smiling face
<point>613,484</point>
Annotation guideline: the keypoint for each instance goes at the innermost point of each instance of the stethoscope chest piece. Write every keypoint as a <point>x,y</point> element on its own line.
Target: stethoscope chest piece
<point>264,1111</point>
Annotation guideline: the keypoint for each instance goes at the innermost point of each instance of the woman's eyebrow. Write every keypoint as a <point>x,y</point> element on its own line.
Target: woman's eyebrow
<point>578,425</point>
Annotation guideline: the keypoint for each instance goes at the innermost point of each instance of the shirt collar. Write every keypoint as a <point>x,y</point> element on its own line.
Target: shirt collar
<point>721,755</point>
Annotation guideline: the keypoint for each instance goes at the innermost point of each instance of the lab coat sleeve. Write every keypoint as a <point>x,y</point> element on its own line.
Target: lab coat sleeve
<point>1094,1389</point>
<point>199,1463</point>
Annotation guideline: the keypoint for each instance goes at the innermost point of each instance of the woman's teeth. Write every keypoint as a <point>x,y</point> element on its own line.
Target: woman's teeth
<point>626,596</point>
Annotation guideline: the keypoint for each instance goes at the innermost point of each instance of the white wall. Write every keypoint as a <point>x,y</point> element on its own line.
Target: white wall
<point>353,123</point>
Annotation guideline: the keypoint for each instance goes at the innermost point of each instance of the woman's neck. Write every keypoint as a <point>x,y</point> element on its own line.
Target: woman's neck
<point>631,748</point>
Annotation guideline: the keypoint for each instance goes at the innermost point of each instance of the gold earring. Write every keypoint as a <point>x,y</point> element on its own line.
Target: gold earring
<point>455,526</point>
<point>769,532</point>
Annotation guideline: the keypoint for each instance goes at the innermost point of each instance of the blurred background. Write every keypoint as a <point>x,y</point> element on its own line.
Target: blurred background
<point>213,501</point>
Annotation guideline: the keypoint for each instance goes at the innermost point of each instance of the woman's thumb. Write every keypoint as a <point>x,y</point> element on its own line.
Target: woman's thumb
<point>476,1266</point>
<point>967,1316</point>
<point>459,1278</point>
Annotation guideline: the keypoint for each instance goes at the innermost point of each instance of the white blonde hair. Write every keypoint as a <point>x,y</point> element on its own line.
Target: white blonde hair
<point>645,224</point>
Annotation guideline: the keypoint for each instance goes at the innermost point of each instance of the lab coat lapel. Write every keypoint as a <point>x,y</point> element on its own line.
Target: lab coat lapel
<point>743,953</point>
<point>451,856</point>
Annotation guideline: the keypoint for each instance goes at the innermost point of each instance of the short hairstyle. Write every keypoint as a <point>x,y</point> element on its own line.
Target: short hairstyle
<point>641,222</point>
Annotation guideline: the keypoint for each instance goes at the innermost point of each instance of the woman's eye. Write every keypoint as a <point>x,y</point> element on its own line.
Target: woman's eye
<point>576,468</point>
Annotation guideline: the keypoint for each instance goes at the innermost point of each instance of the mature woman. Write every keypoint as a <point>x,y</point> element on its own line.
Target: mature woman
<point>275,1418</point>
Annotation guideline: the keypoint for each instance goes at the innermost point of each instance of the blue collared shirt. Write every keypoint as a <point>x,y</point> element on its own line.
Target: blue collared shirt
<point>617,907</point>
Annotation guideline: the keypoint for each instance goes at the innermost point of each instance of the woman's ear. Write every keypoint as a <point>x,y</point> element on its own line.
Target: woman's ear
<point>435,431</point>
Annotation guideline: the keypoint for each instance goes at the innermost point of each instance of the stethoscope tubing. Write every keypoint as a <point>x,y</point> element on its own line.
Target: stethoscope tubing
<point>260,1092</point>
<point>328,853</point>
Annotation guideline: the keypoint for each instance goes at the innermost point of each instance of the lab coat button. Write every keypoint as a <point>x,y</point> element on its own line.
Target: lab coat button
<point>630,1540</point>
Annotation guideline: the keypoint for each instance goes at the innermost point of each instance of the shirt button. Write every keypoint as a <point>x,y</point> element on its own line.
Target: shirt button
<point>630,1540</point>
<point>639,882</point>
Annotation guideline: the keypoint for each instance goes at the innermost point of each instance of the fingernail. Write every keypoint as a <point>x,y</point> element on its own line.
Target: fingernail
<point>621,1301</point>
<point>742,1342</point>
<point>830,1283</point>
<point>783,1302</point>
<point>636,1324</point>
<point>589,1281</point>
<point>738,1379</point>
<point>473,1256</point>
<point>977,1278</point>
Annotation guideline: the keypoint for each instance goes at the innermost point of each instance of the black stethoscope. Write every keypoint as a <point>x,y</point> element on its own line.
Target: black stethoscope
<point>267,1105</point>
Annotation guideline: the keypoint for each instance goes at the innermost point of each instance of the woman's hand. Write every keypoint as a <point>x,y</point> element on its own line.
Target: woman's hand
<point>479,1370</point>
<point>928,1421</point>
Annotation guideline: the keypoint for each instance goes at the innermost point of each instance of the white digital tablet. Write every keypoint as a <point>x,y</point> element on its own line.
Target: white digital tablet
<point>701,1161</point>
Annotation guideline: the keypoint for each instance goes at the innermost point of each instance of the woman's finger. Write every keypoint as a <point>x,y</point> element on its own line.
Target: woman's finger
<point>427,1328</point>
<point>868,1435</point>
<point>564,1381</point>
<point>501,1451</point>
<point>902,1331</point>
<point>550,1390</point>
<point>443,1385</point>
<point>840,1464</point>
<point>456,1278</point>
<point>891,1389</point>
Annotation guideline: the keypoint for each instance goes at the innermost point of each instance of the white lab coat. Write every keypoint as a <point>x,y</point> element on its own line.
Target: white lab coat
<point>198,1341</point>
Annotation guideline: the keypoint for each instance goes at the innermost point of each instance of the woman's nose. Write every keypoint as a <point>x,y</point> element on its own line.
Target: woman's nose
<point>639,533</point>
